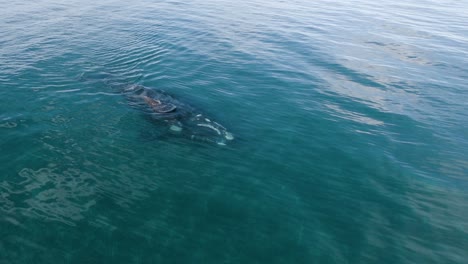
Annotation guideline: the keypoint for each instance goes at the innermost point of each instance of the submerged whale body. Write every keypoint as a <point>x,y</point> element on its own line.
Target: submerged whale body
<point>176,117</point>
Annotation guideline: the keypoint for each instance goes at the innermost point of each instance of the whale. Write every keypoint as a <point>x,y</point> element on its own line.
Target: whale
<point>174,116</point>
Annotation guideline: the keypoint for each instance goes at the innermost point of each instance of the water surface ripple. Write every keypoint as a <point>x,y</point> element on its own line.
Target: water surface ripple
<point>349,121</point>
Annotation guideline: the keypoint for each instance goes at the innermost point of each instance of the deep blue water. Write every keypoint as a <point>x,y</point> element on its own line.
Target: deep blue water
<point>349,121</point>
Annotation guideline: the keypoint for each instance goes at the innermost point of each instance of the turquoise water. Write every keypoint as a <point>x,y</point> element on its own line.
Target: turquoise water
<point>349,122</point>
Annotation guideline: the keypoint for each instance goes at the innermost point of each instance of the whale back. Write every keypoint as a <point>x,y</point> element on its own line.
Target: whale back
<point>177,117</point>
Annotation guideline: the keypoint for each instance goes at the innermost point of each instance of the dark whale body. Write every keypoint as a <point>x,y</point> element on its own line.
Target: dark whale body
<point>176,117</point>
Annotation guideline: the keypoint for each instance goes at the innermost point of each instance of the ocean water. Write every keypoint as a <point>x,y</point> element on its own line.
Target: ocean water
<point>349,120</point>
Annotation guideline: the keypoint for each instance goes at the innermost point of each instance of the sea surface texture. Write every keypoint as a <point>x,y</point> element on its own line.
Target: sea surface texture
<point>349,117</point>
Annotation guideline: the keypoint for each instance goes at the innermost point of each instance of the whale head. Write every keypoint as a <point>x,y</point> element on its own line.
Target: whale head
<point>204,129</point>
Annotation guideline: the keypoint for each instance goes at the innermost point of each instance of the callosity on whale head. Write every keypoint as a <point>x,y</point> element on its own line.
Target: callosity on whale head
<point>207,130</point>
<point>177,117</point>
